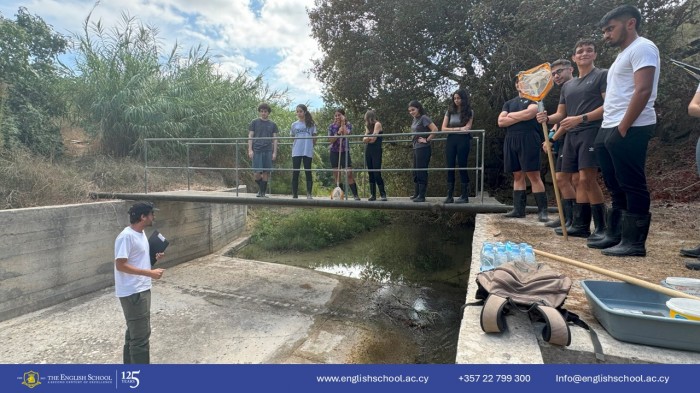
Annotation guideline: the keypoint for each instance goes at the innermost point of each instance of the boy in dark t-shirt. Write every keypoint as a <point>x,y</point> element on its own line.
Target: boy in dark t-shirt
<point>579,115</point>
<point>262,146</point>
<point>521,154</point>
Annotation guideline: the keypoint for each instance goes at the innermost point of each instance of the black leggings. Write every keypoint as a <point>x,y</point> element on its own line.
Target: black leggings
<point>421,159</point>
<point>296,164</point>
<point>457,152</point>
<point>373,160</point>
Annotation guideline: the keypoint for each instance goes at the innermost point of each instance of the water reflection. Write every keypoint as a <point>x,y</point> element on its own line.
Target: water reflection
<point>401,253</point>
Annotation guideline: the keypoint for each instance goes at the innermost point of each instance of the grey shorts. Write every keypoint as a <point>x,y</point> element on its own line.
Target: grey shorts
<point>262,161</point>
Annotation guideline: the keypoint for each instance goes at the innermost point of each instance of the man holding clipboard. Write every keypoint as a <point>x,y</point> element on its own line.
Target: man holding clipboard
<point>133,273</point>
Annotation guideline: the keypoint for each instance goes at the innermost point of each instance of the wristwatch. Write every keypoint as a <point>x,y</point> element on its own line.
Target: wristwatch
<point>584,118</point>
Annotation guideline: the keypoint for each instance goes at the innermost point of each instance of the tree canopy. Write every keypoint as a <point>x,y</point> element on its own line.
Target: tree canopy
<point>383,53</point>
<point>29,83</point>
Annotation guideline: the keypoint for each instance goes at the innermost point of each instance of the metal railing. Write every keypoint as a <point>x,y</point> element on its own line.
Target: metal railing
<point>477,148</point>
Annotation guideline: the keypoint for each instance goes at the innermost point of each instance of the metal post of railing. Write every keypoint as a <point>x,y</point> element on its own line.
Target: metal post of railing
<point>145,167</point>
<point>238,183</point>
<point>187,145</point>
<point>483,146</point>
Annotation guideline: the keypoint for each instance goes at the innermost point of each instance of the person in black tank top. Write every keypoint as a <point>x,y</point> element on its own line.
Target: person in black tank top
<point>373,155</point>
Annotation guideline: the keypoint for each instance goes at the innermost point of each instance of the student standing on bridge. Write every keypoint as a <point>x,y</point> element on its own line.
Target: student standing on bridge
<point>422,151</point>
<point>304,133</point>
<point>340,149</point>
<point>521,153</point>
<point>132,282</point>
<point>373,155</point>
<point>261,149</point>
<point>459,117</point>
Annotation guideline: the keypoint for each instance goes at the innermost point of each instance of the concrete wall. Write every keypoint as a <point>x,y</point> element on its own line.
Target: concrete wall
<point>52,254</point>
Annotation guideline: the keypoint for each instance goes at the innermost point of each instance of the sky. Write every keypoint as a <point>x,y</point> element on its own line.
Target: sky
<point>271,37</point>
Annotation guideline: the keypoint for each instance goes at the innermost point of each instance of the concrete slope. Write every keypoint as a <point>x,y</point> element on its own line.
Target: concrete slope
<point>210,310</point>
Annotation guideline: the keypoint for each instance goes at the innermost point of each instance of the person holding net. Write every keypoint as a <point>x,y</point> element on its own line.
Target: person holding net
<point>562,72</point>
<point>521,153</point>
<point>579,115</point>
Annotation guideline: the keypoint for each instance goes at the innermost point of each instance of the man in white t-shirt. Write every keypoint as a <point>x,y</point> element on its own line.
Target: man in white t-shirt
<point>132,282</point>
<point>629,121</point>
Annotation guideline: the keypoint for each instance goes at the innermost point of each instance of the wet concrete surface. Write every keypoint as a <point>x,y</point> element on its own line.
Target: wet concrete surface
<point>219,309</point>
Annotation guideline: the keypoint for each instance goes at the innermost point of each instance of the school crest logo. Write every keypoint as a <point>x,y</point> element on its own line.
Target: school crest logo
<point>31,379</point>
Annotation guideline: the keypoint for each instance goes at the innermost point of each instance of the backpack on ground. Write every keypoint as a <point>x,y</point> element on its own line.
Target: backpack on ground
<point>532,288</point>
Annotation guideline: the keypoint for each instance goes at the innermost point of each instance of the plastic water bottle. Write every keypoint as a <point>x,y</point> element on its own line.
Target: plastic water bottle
<point>513,251</point>
<point>501,255</point>
<point>529,255</point>
<point>487,257</point>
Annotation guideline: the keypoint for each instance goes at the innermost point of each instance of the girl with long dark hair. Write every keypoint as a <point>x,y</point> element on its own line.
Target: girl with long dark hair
<point>424,130</point>
<point>373,155</point>
<point>458,118</point>
<point>304,132</point>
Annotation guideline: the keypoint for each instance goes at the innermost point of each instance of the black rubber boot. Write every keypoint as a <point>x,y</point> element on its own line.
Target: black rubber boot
<point>519,202</point>
<point>353,188</point>
<point>382,193</point>
<point>691,252</point>
<point>263,189</point>
<point>692,265</point>
<point>635,228</point>
<point>421,193</point>
<point>309,188</point>
<point>581,222</point>
<point>598,214</point>
<point>567,205</point>
<point>613,231</point>
<point>259,194</point>
<point>450,191</point>
<point>541,200</point>
<point>416,192</point>
<point>464,198</point>
<point>372,191</point>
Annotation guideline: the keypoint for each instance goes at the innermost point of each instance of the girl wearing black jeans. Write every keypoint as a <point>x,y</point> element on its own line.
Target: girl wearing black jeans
<point>373,155</point>
<point>459,117</point>
<point>425,129</point>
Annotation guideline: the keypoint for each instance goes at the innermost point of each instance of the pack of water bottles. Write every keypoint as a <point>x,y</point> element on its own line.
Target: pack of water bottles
<point>498,253</point>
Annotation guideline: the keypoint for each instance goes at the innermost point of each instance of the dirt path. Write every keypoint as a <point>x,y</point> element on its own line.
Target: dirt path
<point>673,226</point>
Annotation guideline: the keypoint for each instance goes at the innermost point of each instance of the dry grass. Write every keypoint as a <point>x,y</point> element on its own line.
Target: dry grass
<point>28,180</point>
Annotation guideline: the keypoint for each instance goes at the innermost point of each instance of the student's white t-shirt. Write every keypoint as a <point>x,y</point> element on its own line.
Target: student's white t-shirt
<point>133,246</point>
<point>641,53</point>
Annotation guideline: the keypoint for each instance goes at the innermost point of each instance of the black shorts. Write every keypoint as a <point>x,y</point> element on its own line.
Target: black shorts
<point>334,159</point>
<point>521,152</point>
<point>579,151</point>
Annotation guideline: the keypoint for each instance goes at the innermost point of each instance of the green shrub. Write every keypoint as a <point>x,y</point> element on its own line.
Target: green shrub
<point>305,230</point>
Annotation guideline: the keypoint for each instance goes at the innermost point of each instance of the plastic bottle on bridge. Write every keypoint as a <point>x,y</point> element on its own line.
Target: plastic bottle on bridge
<point>487,256</point>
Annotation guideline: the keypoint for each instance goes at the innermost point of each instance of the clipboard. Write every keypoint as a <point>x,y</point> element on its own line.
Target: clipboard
<point>156,243</point>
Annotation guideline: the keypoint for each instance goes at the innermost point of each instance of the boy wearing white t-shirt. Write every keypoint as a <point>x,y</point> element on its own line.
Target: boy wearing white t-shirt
<point>629,121</point>
<point>132,282</point>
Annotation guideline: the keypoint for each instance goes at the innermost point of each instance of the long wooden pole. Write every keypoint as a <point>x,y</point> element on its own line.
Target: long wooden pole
<point>623,277</point>
<point>540,107</point>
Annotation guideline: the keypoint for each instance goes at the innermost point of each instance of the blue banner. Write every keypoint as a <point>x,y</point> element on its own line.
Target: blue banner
<point>346,378</point>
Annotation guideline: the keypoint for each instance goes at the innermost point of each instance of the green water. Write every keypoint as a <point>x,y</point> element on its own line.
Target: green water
<point>418,267</point>
<point>407,252</point>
